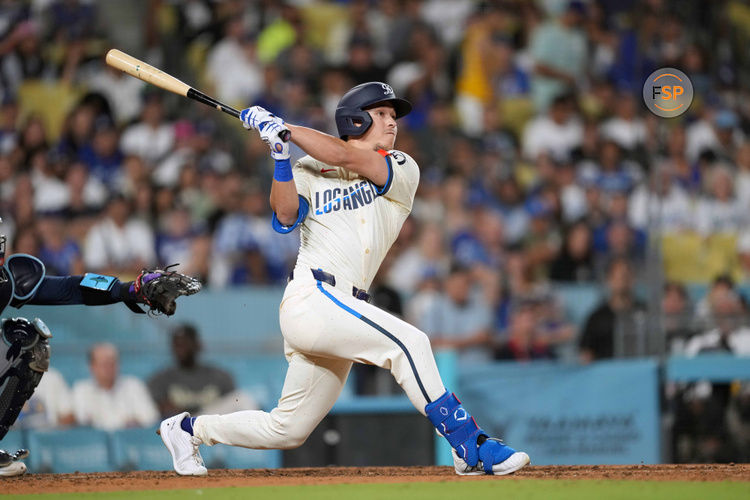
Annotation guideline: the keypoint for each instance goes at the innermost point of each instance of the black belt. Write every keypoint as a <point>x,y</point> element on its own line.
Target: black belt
<point>329,278</point>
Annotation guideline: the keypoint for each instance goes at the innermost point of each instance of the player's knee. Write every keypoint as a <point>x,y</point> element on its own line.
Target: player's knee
<point>294,439</point>
<point>290,434</point>
<point>421,341</point>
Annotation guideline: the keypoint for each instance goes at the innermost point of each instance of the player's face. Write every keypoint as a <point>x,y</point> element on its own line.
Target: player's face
<point>382,132</point>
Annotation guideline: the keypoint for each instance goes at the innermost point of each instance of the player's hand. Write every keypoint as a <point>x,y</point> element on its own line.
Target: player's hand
<point>270,133</point>
<point>253,117</point>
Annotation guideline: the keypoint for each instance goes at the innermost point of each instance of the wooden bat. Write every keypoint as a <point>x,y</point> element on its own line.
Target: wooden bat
<point>149,74</point>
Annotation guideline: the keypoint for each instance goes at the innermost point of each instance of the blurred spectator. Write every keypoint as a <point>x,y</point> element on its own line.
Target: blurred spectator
<point>700,431</point>
<point>542,241</point>
<point>625,129</point>
<point>426,258</point>
<point>151,138</point>
<point>742,179</point>
<point>246,249</point>
<point>720,211</point>
<point>109,401</point>
<point>102,155</point>
<point>190,385</point>
<point>619,316</point>
<point>575,261</point>
<point>661,204</point>
<point>86,194</point>
<point>704,309</point>
<point>50,406</point>
<point>60,254</point>
<point>362,66</point>
<point>77,130</point>
<point>718,134</point>
<point>482,244</point>
<point>523,342</point>
<point>558,49</point>
<point>677,317</point>
<point>23,56</point>
<point>118,242</point>
<point>459,317</point>
<point>556,133</point>
<point>121,90</point>
<point>231,65</point>
<point>8,118</point>
<point>180,242</point>
<point>731,333</point>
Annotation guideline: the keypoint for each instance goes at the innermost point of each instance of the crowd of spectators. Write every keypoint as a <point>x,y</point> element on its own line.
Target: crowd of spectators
<point>539,162</point>
<point>111,401</point>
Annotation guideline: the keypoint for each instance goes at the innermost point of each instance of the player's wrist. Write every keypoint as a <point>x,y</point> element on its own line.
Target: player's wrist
<point>282,170</point>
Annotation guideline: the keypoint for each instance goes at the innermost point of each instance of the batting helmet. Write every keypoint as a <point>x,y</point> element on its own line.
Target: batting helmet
<point>351,115</point>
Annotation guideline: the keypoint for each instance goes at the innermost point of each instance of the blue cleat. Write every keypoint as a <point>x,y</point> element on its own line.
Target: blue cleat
<point>474,452</point>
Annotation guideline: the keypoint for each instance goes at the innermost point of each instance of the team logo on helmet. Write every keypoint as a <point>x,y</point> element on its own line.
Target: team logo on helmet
<point>387,89</point>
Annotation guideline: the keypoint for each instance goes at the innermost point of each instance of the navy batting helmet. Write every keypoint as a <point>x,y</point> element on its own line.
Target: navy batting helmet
<point>351,115</point>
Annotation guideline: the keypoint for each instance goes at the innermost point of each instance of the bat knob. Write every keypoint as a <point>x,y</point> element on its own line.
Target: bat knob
<point>285,135</point>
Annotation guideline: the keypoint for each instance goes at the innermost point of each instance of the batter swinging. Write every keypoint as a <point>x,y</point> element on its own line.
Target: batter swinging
<point>349,197</point>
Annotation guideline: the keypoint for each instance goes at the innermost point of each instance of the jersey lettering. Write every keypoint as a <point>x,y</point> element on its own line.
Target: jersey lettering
<point>336,199</point>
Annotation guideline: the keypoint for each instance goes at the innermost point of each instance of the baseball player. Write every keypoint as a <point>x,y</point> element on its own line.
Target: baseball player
<point>24,349</point>
<point>349,197</point>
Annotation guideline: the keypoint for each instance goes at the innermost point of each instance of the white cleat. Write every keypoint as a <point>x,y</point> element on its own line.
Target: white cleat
<point>510,465</point>
<point>13,469</point>
<point>186,457</point>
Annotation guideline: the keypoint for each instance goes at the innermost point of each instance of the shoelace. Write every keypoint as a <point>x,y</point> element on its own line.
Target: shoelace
<point>196,451</point>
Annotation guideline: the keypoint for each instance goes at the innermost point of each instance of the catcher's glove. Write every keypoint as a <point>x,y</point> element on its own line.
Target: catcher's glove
<point>159,289</point>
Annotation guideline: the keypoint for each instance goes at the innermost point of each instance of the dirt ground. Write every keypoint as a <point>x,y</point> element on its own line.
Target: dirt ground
<point>150,480</point>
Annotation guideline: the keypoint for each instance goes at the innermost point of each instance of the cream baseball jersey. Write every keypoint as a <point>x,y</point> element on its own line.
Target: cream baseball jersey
<point>351,223</point>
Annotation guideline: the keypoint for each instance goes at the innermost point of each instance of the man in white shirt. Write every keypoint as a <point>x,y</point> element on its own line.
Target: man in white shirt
<point>108,401</point>
<point>151,138</point>
<point>556,133</point>
<point>119,243</point>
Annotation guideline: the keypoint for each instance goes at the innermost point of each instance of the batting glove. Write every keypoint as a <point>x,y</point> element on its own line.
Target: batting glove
<point>252,118</point>
<point>269,133</point>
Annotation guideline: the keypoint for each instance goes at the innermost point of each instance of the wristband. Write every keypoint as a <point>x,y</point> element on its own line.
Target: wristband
<point>282,172</point>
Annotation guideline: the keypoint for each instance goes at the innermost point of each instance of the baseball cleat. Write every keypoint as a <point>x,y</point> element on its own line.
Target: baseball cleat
<point>186,457</point>
<point>13,469</point>
<point>504,459</point>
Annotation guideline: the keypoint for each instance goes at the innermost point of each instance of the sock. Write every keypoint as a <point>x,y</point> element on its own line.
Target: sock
<point>187,424</point>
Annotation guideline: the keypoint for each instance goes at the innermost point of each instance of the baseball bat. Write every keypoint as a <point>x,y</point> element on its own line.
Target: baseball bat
<point>149,74</point>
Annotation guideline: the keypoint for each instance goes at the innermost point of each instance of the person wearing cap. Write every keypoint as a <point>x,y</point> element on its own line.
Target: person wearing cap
<point>350,197</point>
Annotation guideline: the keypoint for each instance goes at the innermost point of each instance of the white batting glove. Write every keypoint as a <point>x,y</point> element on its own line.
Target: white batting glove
<point>253,117</point>
<point>269,133</point>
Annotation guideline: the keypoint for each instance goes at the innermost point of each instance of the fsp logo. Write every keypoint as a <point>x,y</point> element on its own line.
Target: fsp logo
<point>668,92</point>
<point>387,89</point>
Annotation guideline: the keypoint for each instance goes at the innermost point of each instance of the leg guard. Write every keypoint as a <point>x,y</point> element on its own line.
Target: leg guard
<point>472,445</point>
<point>460,429</point>
<point>24,357</point>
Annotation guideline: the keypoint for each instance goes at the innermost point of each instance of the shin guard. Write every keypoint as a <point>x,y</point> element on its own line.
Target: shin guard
<point>460,429</point>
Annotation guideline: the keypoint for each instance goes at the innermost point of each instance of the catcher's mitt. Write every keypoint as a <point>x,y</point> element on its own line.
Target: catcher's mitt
<point>159,289</point>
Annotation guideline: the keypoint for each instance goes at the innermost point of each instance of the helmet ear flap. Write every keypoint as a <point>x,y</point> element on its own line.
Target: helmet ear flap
<point>352,122</point>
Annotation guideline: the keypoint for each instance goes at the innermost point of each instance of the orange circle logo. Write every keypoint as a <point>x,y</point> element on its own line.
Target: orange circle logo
<point>668,92</point>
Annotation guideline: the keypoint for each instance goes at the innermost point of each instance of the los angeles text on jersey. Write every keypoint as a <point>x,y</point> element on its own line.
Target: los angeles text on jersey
<point>351,198</point>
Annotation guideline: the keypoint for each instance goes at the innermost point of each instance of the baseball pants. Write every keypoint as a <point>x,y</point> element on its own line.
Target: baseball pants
<point>325,330</point>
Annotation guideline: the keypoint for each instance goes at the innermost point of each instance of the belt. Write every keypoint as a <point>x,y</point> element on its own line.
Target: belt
<point>329,278</point>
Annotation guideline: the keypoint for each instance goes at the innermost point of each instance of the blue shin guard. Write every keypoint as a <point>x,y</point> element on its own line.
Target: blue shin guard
<point>457,426</point>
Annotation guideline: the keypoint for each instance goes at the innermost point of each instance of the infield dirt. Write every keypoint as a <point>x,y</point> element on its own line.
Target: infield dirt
<point>163,480</point>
